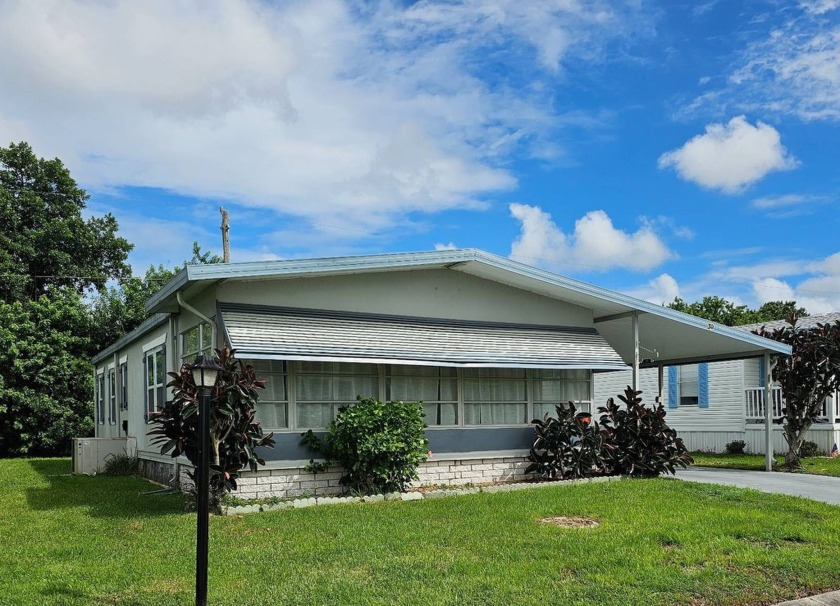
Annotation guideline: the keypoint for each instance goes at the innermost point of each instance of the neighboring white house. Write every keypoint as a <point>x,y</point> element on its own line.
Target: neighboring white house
<point>712,404</point>
<point>485,342</point>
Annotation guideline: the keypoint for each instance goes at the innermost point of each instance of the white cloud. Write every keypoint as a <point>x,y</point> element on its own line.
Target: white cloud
<point>781,201</point>
<point>793,69</point>
<point>595,244</point>
<point>730,157</point>
<point>662,290</point>
<point>355,114</point>
<point>450,246</point>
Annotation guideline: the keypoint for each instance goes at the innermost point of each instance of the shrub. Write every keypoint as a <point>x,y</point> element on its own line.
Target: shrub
<point>379,445</point>
<point>121,465</point>
<point>638,441</point>
<point>736,447</point>
<point>566,446</point>
<point>809,449</point>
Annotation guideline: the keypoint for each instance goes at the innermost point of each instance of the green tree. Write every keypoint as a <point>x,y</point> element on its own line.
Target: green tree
<point>807,377</point>
<point>45,242</point>
<point>45,377</point>
<point>722,311</point>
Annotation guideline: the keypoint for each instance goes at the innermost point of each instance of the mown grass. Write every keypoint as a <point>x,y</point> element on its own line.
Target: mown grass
<point>79,540</point>
<point>823,466</point>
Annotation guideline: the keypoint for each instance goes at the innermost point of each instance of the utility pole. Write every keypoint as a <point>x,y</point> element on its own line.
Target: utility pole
<point>225,236</point>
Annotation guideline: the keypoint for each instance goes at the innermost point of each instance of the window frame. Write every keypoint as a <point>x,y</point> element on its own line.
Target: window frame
<point>122,379</point>
<point>680,381</point>
<point>155,391</point>
<point>112,395</point>
<point>100,397</point>
<point>187,356</point>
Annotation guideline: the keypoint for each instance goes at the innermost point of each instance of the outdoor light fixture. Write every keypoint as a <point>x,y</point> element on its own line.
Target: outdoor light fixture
<point>205,370</point>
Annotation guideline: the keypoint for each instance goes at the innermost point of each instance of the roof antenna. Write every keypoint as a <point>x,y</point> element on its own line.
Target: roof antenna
<point>225,236</point>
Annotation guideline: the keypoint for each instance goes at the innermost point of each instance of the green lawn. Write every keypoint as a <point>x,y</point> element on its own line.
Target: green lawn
<point>817,465</point>
<point>78,540</point>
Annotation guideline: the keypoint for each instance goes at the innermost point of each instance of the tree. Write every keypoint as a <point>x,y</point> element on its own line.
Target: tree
<point>45,242</point>
<point>722,311</point>
<point>807,377</point>
<point>45,377</point>
<point>234,433</point>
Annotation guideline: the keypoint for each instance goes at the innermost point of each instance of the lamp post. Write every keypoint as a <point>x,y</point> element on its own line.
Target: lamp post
<point>204,371</point>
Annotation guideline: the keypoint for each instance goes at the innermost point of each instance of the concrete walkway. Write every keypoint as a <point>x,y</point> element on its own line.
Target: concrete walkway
<point>825,599</point>
<point>818,488</point>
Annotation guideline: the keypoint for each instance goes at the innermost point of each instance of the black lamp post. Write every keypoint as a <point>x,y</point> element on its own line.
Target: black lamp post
<point>204,371</point>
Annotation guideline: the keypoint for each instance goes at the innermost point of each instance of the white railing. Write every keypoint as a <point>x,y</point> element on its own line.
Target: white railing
<point>754,401</point>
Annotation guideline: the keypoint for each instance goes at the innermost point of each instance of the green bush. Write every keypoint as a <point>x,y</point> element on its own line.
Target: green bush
<point>121,465</point>
<point>379,445</point>
<point>736,447</point>
<point>638,441</point>
<point>809,449</point>
<point>566,446</point>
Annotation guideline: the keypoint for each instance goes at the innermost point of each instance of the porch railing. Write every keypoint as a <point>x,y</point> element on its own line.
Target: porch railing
<point>754,402</point>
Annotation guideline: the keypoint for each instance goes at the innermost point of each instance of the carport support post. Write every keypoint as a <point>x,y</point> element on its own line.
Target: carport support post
<point>768,414</point>
<point>636,350</point>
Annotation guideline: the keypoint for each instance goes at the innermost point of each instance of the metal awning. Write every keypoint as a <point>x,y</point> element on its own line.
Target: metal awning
<point>305,334</point>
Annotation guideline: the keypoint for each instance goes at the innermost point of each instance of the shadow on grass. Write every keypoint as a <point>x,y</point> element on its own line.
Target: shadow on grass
<point>102,496</point>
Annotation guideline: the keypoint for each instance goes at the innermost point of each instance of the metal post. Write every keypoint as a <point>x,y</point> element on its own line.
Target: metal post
<point>768,414</point>
<point>635,351</point>
<point>202,498</point>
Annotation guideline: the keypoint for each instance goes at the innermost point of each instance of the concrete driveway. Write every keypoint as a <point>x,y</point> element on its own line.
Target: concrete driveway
<point>818,488</point>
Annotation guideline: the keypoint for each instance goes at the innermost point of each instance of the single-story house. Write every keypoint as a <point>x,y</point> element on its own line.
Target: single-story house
<point>485,342</point>
<point>712,404</point>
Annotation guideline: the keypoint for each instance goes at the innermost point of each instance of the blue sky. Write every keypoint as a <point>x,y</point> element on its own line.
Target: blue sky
<point>658,148</point>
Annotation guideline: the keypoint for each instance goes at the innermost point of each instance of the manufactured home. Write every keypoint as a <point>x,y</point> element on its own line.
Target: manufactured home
<point>713,404</point>
<point>486,343</point>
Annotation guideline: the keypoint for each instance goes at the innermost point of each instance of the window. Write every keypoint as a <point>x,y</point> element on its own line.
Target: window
<point>436,387</point>
<point>100,398</point>
<point>196,340</point>
<point>155,369</point>
<point>273,407</point>
<point>689,394</point>
<point>322,387</point>
<point>112,396</point>
<point>551,387</point>
<point>495,396</point>
<point>123,378</point>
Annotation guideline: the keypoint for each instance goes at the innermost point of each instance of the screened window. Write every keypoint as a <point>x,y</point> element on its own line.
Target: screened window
<point>436,387</point>
<point>322,387</point>
<point>100,398</point>
<point>688,385</point>
<point>112,396</point>
<point>551,387</point>
<point>123,378</point>
<point>495,396</point>
<point>155,367</point>
<point>196,340</point>
<point>273,406</point>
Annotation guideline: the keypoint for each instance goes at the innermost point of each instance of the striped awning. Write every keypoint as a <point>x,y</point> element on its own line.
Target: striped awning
<point>304,334</point>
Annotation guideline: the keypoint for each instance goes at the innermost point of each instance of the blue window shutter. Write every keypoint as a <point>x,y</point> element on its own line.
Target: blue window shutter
<point>703,385</point>
<point>673,402</point>
<point>762,372</point>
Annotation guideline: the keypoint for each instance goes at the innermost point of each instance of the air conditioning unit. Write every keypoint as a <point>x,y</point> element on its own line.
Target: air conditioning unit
<point>90,454</point>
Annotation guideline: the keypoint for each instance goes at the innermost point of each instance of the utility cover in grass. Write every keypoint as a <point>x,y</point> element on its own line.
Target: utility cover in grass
<point>565,522</point>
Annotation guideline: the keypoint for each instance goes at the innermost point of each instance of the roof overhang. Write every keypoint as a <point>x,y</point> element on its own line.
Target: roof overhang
<point>666,336</point>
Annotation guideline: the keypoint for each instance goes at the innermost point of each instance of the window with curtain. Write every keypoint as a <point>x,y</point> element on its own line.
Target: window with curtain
<point>550,387</point>
<point>495,396</point>
<point>689,394</point>
<point>322,387</point>
<point>435,386</point>
<point>273,407</point>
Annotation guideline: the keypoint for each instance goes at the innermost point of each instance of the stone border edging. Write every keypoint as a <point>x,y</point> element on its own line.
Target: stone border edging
<point>437,493</point>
